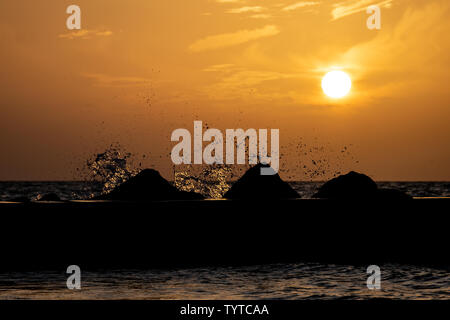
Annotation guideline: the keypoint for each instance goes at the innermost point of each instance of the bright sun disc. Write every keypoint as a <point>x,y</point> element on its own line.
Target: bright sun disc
<point>336,84</point>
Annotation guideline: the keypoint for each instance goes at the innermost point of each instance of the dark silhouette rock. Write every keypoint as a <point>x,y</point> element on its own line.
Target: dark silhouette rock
<point>392,194</point>
<point>48,197</point>
<point>19,199</point>
<point>356,185</point>
<point>352,184</point>
<point>148,185</point>
<point>253,185</point>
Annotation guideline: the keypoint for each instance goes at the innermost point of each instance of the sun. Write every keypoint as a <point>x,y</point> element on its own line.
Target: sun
<point>336,84</point>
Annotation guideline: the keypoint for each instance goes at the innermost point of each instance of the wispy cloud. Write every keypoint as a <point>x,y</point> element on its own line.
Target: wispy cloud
<point>350,7</point>
<point>228,1</point>
<point>232,39</point>
<point>219,67</point>
<point>103,80</point>
<point>85,34</point>
<point>414,41</point>
<point>261,16</point>
<point>299,5</point>
<point>236,83</point>
<point>246,9</point>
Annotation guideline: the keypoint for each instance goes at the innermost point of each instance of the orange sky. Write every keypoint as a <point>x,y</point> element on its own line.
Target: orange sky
<point>140,69</point>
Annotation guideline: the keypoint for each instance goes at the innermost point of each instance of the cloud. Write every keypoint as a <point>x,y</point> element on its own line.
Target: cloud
<point>103,80</point>
<point>85,34</point>
<point>232,39</point>
<point>246,9</point>
<point>228,1</point>
<point>219,67</point>
<point>260,16</point>
<point>350,7</point>
<point>300,5</point>
<point>238,82</point>
<point>396,59</point>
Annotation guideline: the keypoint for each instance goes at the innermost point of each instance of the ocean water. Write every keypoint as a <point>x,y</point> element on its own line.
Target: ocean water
<point>76,190</point>
<point>277,281</point>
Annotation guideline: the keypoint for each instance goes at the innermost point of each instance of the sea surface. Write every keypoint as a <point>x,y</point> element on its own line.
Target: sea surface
<point>77,190</point>
<point>276,281</point>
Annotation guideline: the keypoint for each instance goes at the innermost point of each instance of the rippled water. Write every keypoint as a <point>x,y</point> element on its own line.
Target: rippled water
<point>83,190</point>
<point>279,281</point>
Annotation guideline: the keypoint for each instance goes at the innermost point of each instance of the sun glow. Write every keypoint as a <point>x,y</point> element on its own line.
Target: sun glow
<point>336,84</point>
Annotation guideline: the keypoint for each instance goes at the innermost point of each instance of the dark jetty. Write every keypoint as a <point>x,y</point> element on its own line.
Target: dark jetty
<point>148,185</point>
<point>22,199</point>
<point>354,185</point>
<point>253,185</point>
<point>172,234</point>
<point>137,233</point>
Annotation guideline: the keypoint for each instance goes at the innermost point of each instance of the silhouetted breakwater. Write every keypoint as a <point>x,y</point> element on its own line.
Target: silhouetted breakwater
<point>146,222</point>
<point>111,234</point>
